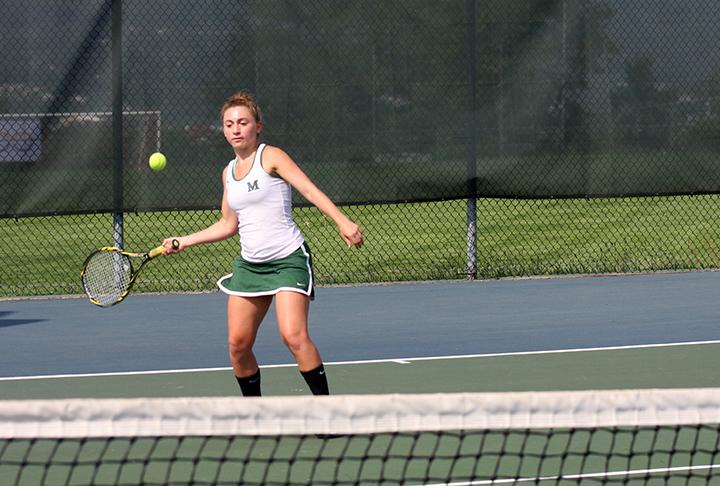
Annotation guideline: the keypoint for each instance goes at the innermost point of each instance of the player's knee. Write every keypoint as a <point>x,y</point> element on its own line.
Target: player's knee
<point>239,346</point>
<point>295,339</point>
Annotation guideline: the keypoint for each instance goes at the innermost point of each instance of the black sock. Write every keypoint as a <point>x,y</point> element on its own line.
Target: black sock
<point>250,385</point>
<point>316,380</point>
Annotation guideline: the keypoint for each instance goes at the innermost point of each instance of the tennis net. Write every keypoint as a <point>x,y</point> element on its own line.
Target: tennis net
<point>589,437</point>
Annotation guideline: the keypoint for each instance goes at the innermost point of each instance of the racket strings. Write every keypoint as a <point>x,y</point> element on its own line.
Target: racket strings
<point>107,277</point>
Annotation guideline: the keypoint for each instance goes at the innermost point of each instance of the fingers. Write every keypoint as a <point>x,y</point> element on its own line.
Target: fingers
<point>355,238</point>
<point>358,239</point>
<point>172,245</point>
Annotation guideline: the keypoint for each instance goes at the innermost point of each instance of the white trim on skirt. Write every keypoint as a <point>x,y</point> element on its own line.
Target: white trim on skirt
<point>308,292</point>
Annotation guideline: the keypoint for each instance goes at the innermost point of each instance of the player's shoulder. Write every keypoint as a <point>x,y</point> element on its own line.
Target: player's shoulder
<point>225,171</point>
<point>274,152</point>
<point>273,156</point>
<point>228,165</point>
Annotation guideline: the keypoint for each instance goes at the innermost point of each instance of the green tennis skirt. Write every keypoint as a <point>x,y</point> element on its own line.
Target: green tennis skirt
<point>293,273</point>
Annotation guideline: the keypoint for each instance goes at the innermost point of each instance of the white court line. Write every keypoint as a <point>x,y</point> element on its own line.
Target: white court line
<point>632,472</point>
<point>368,361</point>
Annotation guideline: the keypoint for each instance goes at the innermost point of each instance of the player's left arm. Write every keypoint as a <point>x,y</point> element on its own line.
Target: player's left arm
<point>277,162</point>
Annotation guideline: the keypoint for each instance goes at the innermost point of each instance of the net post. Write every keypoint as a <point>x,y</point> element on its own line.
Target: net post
<point>471,212</point>
<point>471,240</point>
<point>117,123</point>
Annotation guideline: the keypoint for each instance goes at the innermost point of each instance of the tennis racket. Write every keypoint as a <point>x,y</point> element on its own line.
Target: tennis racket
<point>109,273</point>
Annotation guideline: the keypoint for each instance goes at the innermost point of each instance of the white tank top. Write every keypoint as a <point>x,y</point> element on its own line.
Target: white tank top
<point>263,204</point>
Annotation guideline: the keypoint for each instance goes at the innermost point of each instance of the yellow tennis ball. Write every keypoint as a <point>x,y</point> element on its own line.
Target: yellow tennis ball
<point>157,162</point>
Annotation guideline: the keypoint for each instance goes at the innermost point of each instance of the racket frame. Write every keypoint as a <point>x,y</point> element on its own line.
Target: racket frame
<point>145,257</point>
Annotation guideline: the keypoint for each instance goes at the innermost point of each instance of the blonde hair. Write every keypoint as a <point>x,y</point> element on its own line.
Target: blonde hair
<point>242,98</point>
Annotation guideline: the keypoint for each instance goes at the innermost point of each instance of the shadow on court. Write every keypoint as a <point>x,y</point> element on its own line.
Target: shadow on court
<point>6,322</point>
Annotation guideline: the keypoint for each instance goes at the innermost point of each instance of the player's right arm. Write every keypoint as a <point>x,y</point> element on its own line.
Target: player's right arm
<point>223,229</point>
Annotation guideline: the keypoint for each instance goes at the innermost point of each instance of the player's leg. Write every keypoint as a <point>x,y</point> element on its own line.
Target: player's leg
<point>244,317</point>
<point>292,314</point>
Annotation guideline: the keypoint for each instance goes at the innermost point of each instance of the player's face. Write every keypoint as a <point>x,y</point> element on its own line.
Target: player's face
<point>240,128</point>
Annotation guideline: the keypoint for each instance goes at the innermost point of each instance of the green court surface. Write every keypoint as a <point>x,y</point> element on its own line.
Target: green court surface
<point>367,460</point>
<point>656,367</point>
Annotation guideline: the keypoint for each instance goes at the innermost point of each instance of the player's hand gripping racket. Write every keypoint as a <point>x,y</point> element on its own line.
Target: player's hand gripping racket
<point>109,273</point>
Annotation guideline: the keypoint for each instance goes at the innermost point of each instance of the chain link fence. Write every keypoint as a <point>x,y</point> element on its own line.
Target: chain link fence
<point>469,138</point>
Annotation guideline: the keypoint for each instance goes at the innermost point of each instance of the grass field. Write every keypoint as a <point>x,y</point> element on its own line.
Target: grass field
<point>413,241</point>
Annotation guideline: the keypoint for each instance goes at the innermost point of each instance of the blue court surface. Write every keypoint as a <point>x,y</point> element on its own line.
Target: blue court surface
<point>649,330</point>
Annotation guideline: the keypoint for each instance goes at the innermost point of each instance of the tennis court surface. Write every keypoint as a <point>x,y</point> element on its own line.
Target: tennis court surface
<point>411,367</point>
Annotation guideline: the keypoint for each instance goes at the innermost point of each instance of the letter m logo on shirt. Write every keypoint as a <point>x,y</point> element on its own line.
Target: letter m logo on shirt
<point>253,186</point>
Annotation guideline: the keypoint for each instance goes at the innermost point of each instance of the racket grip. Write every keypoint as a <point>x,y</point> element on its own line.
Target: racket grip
<point>155,252</point>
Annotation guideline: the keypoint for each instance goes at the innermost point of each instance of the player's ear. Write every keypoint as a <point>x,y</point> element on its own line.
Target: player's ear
<point>260,127</point>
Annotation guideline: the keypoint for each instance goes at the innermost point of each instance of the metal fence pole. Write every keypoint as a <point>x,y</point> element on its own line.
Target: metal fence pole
<point>117,123</point>
<point>471,213</point>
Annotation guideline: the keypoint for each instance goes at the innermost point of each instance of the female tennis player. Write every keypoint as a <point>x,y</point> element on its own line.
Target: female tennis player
<point>275,260</point>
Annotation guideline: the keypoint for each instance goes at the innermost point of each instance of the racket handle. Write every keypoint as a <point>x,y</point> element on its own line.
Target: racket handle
<point>156,252</point>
